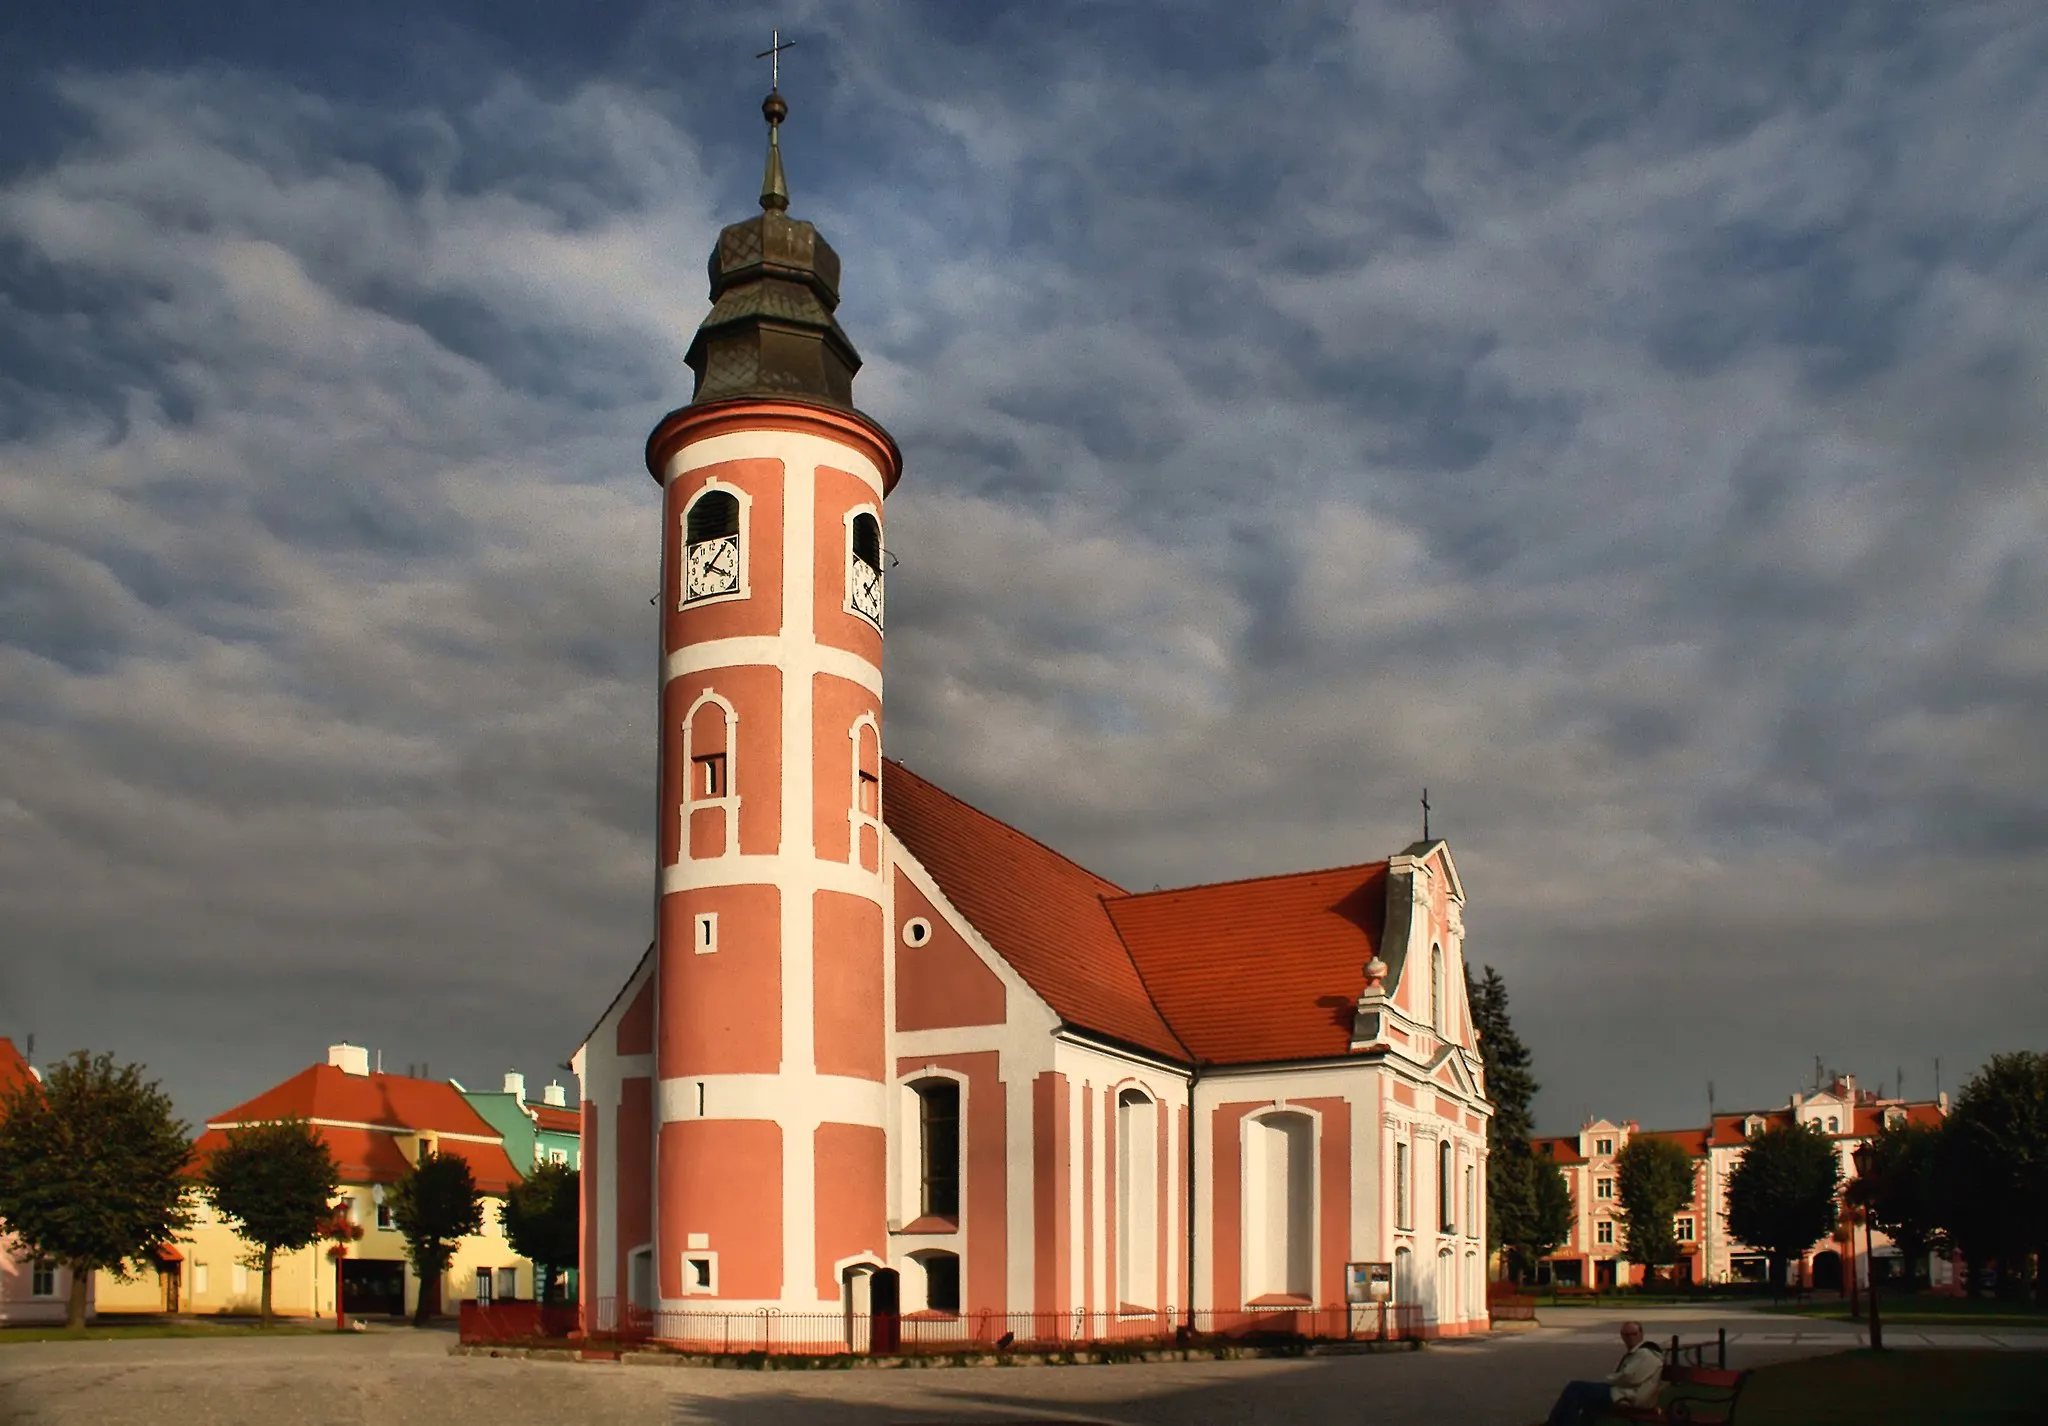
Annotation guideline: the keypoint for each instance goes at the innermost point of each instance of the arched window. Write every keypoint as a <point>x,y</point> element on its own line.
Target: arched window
<point>864,810</point>
<point>941,1280</point>
<point>1404,1275</point>
<point>709,797</point>
<point>1279,1206</point>
<point>1137,1199</point>
<point>711,546</point>
<point>1436,988</point>
<point>864,568</point>
<point>938,1138</point>
<point>1446,1168</point>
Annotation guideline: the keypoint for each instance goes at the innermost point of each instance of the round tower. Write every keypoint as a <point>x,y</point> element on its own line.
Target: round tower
<point>769,1164</point>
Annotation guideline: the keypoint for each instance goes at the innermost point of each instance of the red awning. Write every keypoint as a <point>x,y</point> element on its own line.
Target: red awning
<point>168,1254</point>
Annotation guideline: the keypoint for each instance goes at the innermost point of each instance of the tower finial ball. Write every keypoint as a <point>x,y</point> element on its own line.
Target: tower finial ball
<point>773,109</point>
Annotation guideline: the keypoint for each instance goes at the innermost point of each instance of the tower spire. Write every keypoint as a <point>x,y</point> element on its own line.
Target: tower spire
<point>774,189</point>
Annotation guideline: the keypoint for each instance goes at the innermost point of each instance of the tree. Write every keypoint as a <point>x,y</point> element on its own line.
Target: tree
<point>92,1169</point>
<point>1901,1189</point>
<point>1997,1167</point>
<point>1654,1177</point>
<point>434,1206</point>
<point>1781,1196</point>
<point>274,1182</point>
<point>1550,1210</point>
<point>1511,1170</point>
<point>543,1218</point>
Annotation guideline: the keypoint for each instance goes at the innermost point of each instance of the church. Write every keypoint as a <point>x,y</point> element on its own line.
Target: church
<point>889,1057</point>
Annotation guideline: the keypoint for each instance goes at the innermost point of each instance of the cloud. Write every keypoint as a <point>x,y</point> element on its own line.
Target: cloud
<point>1631,431</point>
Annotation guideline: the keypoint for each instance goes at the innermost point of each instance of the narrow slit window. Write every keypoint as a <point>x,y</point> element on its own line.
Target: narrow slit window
<point>870,795</point>
<point>707,933</point>
<point>709,778</point>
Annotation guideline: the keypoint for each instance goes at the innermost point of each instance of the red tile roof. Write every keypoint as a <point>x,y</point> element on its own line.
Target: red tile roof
<point>1259,970</point>
<point>14,1069</point>
<point>1693,1141</point>
<point>1560,1150</point>
<point>1240,972</point>
<point>373,1156</point>
<point>389,1101</point>
<point>556,1119</point>
<point>360,1117</point>
<point>1041,912</point>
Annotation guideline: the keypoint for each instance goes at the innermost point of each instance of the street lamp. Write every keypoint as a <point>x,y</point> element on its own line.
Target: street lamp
<point>1860,1193</point>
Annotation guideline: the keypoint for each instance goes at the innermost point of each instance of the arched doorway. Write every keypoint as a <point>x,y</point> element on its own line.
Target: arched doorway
<point>1827,1271</point>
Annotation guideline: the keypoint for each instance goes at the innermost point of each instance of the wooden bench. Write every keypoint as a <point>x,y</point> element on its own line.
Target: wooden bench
<point>1512,1308</point>
<point>1691,1396</point>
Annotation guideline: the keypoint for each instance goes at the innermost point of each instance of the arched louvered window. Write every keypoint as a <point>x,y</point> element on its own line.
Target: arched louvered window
<point>864,568</point>
<point>711,546</point>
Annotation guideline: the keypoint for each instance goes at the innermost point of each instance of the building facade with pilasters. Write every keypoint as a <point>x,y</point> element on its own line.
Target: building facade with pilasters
<point>885,1047</point>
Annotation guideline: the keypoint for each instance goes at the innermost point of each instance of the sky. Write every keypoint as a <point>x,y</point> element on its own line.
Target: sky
<point>1627,422</point>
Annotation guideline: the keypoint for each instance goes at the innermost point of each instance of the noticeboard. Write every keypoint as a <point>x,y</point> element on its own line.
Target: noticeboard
<point>1368,1282</point>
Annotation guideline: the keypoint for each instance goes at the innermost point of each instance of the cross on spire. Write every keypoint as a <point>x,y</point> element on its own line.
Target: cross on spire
<point>1425,814</point>
<point>773,54</point>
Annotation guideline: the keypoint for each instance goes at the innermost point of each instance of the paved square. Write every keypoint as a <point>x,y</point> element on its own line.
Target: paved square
<point>398,1377</point>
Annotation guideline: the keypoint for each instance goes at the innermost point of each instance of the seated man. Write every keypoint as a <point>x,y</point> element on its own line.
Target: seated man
<point>1633,1382</point>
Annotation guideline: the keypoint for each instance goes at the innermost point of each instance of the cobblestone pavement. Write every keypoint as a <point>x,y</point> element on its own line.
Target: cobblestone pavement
<point>403,1378</point>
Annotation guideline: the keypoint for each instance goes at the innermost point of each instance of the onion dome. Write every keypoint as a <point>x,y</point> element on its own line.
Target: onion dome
<point>774,285</point>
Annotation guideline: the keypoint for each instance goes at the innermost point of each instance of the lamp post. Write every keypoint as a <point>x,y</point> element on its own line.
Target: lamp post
<point>342,1229</point>
<point>1861,1190</point>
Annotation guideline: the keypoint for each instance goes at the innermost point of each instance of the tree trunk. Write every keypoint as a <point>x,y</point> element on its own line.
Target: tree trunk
<point>269,1261</point>
<point>74,1305</point>
<point>430,1288</point>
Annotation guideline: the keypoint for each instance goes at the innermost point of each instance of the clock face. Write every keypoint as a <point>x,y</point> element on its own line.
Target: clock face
<point>867,592</point>
<point>714,567</point>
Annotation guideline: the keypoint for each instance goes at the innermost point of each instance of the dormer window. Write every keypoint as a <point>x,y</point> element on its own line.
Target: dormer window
<point>711,546</point>
<point>1894,1118</point>
<point>864,568</point>
<point>1752,1126</point>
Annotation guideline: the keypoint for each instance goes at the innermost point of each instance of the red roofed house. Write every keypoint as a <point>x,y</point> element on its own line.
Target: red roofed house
<point>1594,1256</point>
<point>375,1125</point>
<point>884,1044</point>
<point>30,1291</point>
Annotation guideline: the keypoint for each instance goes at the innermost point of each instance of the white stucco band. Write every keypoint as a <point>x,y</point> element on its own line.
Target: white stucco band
<point>792,1100</point>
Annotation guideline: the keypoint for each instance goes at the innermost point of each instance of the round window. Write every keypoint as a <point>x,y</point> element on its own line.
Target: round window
<point>916,931</point>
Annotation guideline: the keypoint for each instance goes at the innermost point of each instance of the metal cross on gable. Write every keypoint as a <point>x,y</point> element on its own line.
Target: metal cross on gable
<point>1425,814</point>
<point>773,54</point>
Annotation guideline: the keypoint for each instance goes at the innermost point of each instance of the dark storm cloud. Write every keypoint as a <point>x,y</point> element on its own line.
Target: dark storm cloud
<point>1629,425</point>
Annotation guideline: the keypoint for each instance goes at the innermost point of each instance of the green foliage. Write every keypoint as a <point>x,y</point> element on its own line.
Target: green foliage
<point>1995,1165</point>
<point>274,1182</point>
<point>1899,1182</point>
<point>543,1218</point>
<point>1511,1170</point>
<point>1781,1196</point>
<point>1550,1210</point>
<point>1655,1178</point>
<point>92,1165</point>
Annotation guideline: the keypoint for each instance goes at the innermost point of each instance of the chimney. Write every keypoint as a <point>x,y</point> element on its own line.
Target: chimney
<point>556,1095</point>
<point>515,1085</point>
<point>349,1059</point>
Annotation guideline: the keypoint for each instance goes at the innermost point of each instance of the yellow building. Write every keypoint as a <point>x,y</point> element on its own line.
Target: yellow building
<point>376,1126</point>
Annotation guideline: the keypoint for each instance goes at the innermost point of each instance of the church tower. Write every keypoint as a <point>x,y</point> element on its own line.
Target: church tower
<point>769,1162</point>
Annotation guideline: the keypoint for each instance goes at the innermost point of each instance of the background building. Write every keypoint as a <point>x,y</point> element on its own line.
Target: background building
<point>534,1131</point>
<point>1594,1256</point>
<point>376,1125</point>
